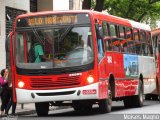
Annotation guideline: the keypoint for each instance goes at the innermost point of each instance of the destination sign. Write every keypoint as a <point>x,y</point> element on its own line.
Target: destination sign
<point>48,20</point>
<point>53,20</point>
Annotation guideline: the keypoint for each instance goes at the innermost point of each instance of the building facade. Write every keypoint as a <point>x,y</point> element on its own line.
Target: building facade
<point>11,8</point>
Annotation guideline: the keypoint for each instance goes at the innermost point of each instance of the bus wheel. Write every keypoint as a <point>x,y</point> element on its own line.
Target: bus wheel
<point>138,99</point>
<point>154,97</point>
<point>42,108</point>
<point>105,105</point>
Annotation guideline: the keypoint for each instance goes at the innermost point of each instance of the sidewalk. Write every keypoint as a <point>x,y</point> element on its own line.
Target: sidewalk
<point>29,108</point>
<point>25,109</point>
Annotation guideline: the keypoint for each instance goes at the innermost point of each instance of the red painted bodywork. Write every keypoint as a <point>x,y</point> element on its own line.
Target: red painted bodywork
<point>156,33</point>
<point>101,71</point>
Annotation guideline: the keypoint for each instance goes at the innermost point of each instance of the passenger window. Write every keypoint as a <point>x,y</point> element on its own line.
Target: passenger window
<point>112,29</point>
<point>128,33</point>
<point>105,29</point>
<point>138,47</point>
<point>123,46</point>
<point>142,35</point>
<point>136,34</point>
<point>108,44</point>
<point>116,44</point>
<point>121,31</point>
<point>144,49</point>
<point>131,46</point>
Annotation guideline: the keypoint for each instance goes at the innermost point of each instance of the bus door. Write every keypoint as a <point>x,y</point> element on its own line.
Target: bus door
<point>101,64</point>
<point>10,61</point>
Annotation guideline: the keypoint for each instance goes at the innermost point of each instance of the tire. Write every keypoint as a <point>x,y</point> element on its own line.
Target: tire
<point>155,97</point>
<point>138,99</point>
<point>42,108</point>
<point>105,105</point>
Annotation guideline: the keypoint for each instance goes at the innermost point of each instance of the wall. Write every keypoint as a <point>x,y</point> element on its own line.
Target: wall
<point>45,5</point>
<point>25,5</point>
<point>60,4</point>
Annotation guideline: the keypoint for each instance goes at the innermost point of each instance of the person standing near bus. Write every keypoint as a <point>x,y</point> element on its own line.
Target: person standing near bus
<point>11,103</point>
<point>5,93</point>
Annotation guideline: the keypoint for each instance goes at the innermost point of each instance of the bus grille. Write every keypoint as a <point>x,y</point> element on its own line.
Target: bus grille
<point>60,82</point>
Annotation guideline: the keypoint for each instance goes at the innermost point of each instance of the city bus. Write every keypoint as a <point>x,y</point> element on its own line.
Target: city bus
<point>90,58</point>
<point>156,43</point>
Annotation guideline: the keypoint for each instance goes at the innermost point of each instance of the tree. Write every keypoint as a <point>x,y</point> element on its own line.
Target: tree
<point>138,10</point>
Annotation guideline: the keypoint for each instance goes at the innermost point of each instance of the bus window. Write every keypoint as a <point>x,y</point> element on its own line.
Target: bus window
<point>131,46</point>
<point>121,32</point>
<point>128,33</point>
<point>136,34</point>
<point>20,49</point>
<point>112,29</point>
<point>149,42</point>
<point>105,29</point>
<point>123,46</point>
<point>138,47</point>
<point>108,44</point>
<point>116,44</point>
<point>100,43</point>
<point>142,35</point>
<point>144,49</point>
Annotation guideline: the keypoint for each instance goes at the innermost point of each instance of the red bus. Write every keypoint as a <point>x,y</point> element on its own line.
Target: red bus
<point>156,43</point>
<point>92,58</point>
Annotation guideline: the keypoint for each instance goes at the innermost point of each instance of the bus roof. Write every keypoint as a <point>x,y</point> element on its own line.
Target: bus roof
<point>140,25</point>
<point>99,15</point>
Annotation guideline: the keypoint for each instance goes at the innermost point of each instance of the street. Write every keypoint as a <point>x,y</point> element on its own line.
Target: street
<point>119,112</point>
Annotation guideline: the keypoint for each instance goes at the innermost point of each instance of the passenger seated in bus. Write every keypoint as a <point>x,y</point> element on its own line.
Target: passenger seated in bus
<point>39,52</point>
<point>80,44</point>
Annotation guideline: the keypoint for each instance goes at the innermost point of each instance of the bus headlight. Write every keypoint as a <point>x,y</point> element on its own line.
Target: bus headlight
<point>90,79</point>
<point>20,84</point>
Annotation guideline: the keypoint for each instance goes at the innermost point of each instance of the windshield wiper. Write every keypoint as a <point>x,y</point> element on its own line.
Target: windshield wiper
<point>37,35</point>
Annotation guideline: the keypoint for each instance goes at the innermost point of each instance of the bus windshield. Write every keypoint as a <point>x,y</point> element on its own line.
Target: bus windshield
<point>54,47</point>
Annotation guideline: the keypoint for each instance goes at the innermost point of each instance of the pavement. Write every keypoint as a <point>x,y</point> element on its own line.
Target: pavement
<point>29,109</point>
<point>24,109</point>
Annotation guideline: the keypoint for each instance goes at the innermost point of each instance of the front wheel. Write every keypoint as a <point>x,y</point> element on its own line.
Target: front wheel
<point>105,105</point>
<point>42,108</point>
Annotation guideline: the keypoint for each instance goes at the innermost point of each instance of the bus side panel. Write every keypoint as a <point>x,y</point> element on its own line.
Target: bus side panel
<point>115,64</point>
<point>148,70</point>
<point>128,85</point>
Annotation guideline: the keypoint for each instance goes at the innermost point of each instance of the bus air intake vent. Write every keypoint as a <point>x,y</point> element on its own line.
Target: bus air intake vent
<point>59,82</point>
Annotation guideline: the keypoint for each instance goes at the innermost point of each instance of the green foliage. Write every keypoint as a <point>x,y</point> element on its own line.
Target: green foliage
<point>147,11</point>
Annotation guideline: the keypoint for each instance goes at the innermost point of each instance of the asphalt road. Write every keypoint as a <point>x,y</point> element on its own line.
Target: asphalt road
<point>150,111</point>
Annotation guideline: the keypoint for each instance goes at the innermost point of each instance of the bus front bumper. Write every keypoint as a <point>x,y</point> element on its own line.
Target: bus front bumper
<point>78,93</point>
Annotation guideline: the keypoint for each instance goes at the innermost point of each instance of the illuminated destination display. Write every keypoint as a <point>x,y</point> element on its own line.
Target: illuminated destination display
<point>53,20</point>
<point>48,20</point>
